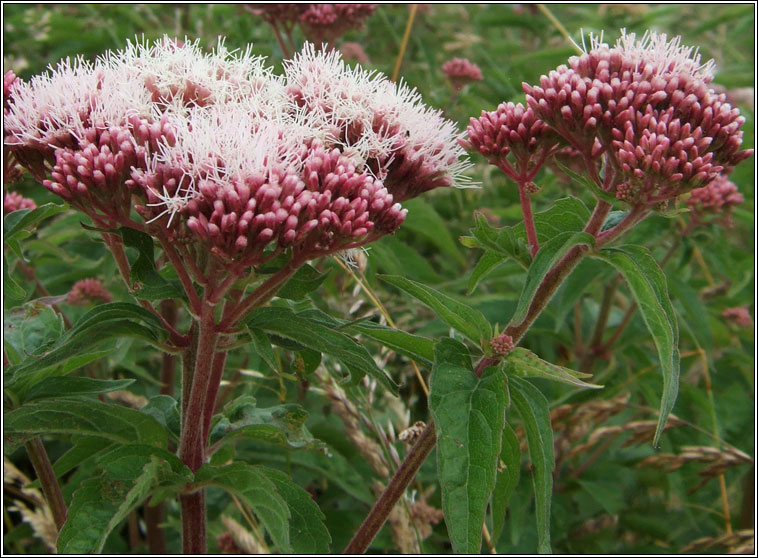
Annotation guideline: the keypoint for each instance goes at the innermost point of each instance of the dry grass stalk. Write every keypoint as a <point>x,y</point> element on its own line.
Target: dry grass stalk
<point>739,542</point>
<point>411,522</point>
<point>37,515</point>
<point>411,434</point>
<point>595,525</point>
<point>641,432</point>
<point>243,539</point>
<point>127,398</point>
<point>719,460</point>
<point>348,413</point>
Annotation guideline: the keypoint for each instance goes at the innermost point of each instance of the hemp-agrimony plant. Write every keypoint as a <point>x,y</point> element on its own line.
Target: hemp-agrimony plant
<point>241,176</point>
<point>212,182</point>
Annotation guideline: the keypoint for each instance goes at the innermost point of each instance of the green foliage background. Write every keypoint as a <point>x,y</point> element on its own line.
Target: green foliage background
<point>604,501</point>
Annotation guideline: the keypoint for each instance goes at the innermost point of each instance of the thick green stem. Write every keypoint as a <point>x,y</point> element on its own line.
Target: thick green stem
<point>48,480</point>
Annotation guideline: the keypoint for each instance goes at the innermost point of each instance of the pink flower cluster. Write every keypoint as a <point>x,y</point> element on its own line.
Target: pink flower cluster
<point>512,129</point>
<point>320,22</point>
<point>216,150</point>
<point>13,201</point>
<point>717,198</point>
<point>648,105</point>
<point>460,72</point>
<point>739,316</point>
<point>88,291</point>
<point>643,108</point>
<point>502,345</point>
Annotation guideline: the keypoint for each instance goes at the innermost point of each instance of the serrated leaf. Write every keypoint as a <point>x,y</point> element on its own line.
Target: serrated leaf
<point>283,425</point>
<point>16,222</point>
<point>262,347</point>
<point>503,241</point>
<point>566,214</point>
<point>85,417</point>
<point>83,448</point>
<point>649,289</point>
<point>101,503</point>
<point>164,409</point>
<point>308,534</point>
<point>488,262</point>
<point>107,321</point>
<point>12,291</point>
<point>508,473</point>
<point>461,317</point>
<point>259,492</point>
<point>69,387</point>
<point>535,415</point>
<point>469,417</point>
<point>586,182</point>
<point>306,280</point>
<point>550,253</point>
<point>526,364</point>
<point>412,346</point>
<point>315,335</point>
<point>147,283</point>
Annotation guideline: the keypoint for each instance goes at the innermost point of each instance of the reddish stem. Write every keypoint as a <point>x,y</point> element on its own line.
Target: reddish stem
<point>219,360</point>
<point>50,487</point>
<point>526,210</point>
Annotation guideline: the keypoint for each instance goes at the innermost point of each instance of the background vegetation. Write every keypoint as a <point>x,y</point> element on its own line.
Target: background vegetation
<point>613,492</point>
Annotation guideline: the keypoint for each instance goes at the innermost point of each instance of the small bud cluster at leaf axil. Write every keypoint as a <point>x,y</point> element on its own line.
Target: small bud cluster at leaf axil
<point>502,345</point>
<point>88,291</point>
<point>216,149</point>
<point>644,105</point>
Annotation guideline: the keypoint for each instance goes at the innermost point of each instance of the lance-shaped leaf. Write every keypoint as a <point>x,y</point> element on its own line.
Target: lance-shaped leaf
<point>283,425</point>
<point>461,317</point>
<point>504,241</point>
<point>488,262</point>
<point>535,415</point>
<point>315,335</point>
<point>550,253</point>
<point>253,487</point>
<point>648,285</point>
<point>306,280</point>
<point>308,534</point>
<point>107,321</point>
<point>407,344</point>
<point>82,416</point>
<point>69,387</point>
<point>566,214</point>
<point>469,416</point>
<point>128,475</point>
<point>526,364</point>
<point>508,472</point>
<point>17,222</point>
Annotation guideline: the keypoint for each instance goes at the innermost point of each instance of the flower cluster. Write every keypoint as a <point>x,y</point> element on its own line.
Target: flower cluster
<point>216,149</point>
<point>13,201</point>
<point>88,291</point>
<point>717,198</point>
<point>512,129</point>
<point>460,72</point>
<point>739,316</point>
<point>320,22</point>
<point>645,104</point>
<point>502,345</point>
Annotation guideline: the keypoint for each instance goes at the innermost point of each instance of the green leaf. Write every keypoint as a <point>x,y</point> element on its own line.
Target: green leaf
<point>565,215</point>
<point>252,486</point>
<point>308,534</point>
<point>503,241</point>
<point>147,283</point>
<point>16,222</point>
<point>306,280</point>
<point>78,416</point>
<point>461,317</point>
<point>549,254</point>
<point>101,503</point>
<point>83,448</point>
<point>648,285</point>
<point>424,221</point>
<point>488,262</point>
<point>695,313</point>
<point>262,347</point>
<point>535,415</point>
<point>412,346</point>
<point>469,417</point>
<point>113,320</point>
<point>164,409</point>
<point>526,364</point>
<point>315,335</point>
<point>508,472</point>
<point>12,291</point>
<point>283,425</point>
<point>64,386</point>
